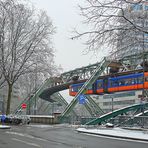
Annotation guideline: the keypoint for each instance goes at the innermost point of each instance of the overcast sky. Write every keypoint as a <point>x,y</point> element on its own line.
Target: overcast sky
<point>65,16</point>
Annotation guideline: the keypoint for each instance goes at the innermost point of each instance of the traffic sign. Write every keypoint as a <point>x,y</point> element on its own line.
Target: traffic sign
<point>82,99</point>
<point>24,105</point>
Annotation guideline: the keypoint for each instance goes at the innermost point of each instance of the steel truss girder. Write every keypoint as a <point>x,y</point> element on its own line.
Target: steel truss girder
<point>87,71</point>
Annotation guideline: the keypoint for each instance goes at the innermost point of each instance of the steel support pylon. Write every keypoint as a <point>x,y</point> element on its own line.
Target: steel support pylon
<point>30,99</point>
<point>97,110</point>
<point>103,64</point>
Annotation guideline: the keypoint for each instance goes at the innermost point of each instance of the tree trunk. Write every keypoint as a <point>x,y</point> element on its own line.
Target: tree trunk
<point>9,99</point>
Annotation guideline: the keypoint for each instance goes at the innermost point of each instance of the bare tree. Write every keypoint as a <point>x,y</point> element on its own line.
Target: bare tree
<point>25,39</point>
<point>110,21</point>
<point>2,80</point>
<point>29,82</point>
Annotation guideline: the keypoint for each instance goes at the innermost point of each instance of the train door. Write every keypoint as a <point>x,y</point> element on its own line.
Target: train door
<point>94,88</point>
<point>105,85</point>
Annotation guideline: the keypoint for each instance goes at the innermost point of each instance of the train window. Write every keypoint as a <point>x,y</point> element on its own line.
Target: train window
<point>78,88</point>
<point>146,79</point>
<point>89,88</point>
<point>133,81</point>
<point>140,80</point>
<point>121,82</point>
<point>114,83</point>
<point>74,89</point>
<point>111,83</point>
<point>100,85</point>
<point>128,81</point>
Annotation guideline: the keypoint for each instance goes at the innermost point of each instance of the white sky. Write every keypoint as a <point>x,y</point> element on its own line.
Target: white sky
<point>65,16</point>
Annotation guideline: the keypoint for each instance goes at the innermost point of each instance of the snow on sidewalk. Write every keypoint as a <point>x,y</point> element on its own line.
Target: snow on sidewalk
<point>117,132</point>
<point>4,127</point>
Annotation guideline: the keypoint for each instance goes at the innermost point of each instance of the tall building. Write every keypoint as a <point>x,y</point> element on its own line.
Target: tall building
<point>131,40</point>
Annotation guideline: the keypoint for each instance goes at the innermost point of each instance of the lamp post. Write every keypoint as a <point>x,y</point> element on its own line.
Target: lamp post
<point>35,101</point>
<point>143,65</point>
<point>112,104</point>
<point>112,108</point>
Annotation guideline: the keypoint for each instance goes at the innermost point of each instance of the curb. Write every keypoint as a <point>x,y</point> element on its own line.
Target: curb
<point>145,140</point>
<point>135,129</point>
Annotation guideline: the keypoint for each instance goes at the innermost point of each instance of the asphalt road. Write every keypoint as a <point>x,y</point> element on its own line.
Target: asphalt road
<point>34,136</point>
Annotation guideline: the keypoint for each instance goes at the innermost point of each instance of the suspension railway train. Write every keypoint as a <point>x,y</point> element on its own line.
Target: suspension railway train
<point>111,84</point>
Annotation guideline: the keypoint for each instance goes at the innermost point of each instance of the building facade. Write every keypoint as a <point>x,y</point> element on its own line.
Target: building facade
<point>130,40</point>
<point>110,102</point>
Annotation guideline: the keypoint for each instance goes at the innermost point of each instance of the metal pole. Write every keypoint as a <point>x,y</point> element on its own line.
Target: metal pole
<point>143,90</point>
<point>35,105</point>
<point>112,105</point>
<point>52,112</point>
<point>112,110</point>
<point>29,105</point>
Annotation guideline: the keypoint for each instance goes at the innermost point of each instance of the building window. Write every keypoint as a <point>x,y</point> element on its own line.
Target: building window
<point>127,94</point>
<point>125,102</point>
<point>145,7</point>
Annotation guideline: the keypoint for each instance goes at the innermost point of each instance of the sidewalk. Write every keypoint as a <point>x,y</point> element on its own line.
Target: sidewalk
<point>4,127</point>
<point>137,134</point>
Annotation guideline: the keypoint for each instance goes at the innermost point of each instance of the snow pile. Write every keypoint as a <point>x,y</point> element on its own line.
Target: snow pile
<point>117,132</point>
<point>4,127</point>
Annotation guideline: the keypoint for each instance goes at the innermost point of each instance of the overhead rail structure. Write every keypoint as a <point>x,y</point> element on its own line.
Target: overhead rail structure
<point>29,101</point>
<point>125,63</point>
<point>88,83</point>
<point>85,73</point>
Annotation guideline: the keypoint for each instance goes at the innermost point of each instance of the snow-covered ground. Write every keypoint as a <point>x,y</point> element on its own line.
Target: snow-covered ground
<point>118,132</point>
<point>4,127</point>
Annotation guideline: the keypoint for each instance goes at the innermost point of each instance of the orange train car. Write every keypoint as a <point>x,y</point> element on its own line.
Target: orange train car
<point>135,81</point>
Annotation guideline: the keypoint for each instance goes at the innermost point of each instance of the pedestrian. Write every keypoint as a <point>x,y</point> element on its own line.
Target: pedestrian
<point>3,119</point>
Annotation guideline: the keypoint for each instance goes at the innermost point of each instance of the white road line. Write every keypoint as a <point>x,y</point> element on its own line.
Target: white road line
<point>28,143</point>
<point>26,135</point>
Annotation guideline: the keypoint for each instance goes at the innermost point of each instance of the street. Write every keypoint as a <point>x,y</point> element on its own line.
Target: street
<point>46,136</point>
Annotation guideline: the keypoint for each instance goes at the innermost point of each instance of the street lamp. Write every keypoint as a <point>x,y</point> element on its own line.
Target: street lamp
<point>112,104</point>
<point>143,65</point>
<point>35,105</point>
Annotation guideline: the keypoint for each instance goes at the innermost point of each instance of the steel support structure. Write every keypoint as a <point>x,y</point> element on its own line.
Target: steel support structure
<point>30,99</point>
<point>88,83</point>
<point>115,113</point>
<point>97,110</point>
<point>86,72</point>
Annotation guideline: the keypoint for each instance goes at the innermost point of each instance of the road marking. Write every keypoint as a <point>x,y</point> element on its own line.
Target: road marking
<point>114,138</point>
<point>26,135</point>
<point>19,134</point>
<point>28,143</point>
